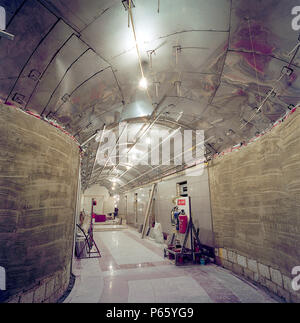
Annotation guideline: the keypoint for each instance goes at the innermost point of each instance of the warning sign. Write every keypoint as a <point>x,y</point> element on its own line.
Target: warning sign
<point>181,202</point>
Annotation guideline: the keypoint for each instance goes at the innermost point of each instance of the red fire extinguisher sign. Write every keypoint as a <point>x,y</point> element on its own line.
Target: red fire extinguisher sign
<point>181,202</point>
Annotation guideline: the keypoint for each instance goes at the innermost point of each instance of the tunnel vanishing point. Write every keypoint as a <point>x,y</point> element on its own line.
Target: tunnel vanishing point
<point>96,100</point>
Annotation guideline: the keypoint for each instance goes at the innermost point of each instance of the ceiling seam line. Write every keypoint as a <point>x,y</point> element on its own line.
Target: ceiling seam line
<point>95,160</point>
<point>151,170</point>
<point>31,55</point>
<point>225,57</point>
<point>151,122</point>
<point>46,68</point>
<point>192,30</point>
<point>220,76</point>
<point>118,84</point>
<point>107,62</point>
<point>54,14</point>
<point>95,19</point>
<point>60,82</point>
<point>77,87</point>
<point>16,13</point>
<point>223,66</point>
<point>82,128</point>
<point>111,153</point>
<point>262,54</point>
<point>254,59</point>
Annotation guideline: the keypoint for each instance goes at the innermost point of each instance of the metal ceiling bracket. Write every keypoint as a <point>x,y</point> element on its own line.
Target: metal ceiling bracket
<point>6,35</point>
<point>126,4</point>
<point>156,84</point>
<point>177,50</point>
<point>272,93</point>
<point>34,75</point>
<point>257,110</point>
<point>66,97</point>
<point>230,132</point>
<point>18,98</point>
<point>245,122</point>
<point>178,85</point>
<point>287,70</point>
<point>150,53</point>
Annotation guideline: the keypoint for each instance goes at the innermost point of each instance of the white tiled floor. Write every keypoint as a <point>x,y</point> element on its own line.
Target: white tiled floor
<point>127,251</point>
<point>169,290</point>
<point>134,270</point>
<point>89,282</point>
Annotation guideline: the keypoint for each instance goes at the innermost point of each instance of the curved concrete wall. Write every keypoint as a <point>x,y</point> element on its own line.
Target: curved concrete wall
<point>38,185</point>
<point>256,208</point>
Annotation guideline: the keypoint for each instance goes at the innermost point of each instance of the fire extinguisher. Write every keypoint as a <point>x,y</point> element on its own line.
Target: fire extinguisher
<point>183,221</point>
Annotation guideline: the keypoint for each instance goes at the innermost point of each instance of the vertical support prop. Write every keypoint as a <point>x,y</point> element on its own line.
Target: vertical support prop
<point>148,209</point>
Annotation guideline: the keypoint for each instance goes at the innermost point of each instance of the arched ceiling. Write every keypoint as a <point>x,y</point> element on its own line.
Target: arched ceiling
<point>210,65</point>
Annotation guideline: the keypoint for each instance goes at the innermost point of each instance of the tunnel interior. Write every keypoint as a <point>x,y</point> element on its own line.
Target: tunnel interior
<point>107,99</point>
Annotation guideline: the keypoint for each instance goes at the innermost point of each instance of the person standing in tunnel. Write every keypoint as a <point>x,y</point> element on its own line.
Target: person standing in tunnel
<point>116,212</point>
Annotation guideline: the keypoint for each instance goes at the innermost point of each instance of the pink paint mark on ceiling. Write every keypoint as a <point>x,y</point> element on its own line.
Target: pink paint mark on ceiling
<point>253,38</point>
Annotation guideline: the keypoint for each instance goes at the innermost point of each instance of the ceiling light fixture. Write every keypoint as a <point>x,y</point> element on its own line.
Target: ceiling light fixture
<point>143,83</point>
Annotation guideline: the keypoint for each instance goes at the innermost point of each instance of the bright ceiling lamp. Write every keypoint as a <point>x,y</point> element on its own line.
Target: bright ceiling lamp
<point>143,83</point>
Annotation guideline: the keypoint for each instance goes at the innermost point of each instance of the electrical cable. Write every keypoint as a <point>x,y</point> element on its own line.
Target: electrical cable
<point>295,49</point>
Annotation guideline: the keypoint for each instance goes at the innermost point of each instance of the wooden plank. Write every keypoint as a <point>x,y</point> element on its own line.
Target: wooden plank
<point>148,210</point>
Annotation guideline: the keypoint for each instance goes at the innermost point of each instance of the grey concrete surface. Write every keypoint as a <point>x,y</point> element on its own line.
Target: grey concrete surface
<point>255,202</point>
<point>38,184</point>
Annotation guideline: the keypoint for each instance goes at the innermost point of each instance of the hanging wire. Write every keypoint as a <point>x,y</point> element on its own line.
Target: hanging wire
<point>137,47</point>
<point>130,20</point>
<point>129,14</point>
<point>178,155</point>
<point>135,39</point>
<point>157,146</point>
<point>95,160</point>
<point>263,102</point>
<point>295,50</point>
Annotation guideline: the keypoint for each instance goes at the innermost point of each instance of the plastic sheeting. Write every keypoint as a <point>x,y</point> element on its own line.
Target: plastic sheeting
<point>156,233</point>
